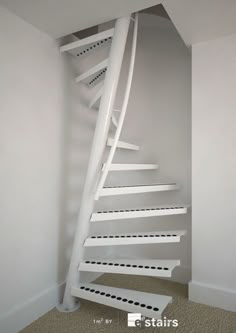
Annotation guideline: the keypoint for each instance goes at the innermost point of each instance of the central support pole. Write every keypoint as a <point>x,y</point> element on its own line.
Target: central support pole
<point>95,161</point>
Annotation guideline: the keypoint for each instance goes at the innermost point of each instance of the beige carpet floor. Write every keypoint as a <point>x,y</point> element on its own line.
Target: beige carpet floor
<point>192,317</point>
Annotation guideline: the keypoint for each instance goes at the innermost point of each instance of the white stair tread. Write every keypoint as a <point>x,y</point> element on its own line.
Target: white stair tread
<point>97,97</point>
<point>158,268</point>
<point>114,120</point>
<point>94,74</point>
<point>136,213</point>
<point>149,305</point>
<point>135,238</point>
<point>116,190</point>
<point>82,46</point>
<point>130,167</point>
<point>122,144</point>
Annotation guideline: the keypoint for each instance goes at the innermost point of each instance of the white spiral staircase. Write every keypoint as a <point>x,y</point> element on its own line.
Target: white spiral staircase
<point>150,305</point>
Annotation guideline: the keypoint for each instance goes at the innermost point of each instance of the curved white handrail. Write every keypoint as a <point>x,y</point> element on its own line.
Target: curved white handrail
<point>123,110</point>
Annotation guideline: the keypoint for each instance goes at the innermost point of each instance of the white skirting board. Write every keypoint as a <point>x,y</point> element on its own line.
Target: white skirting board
<point>25,313</point>
<point>212,295</point>
<point>30,310</point>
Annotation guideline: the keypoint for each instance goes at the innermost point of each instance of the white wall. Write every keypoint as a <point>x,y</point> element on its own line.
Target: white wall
<point>32,102</point>
<point>46,130</point>
<point>213,172</point>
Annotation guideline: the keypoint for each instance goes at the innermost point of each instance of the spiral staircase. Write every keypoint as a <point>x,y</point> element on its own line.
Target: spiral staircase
<point>107,73</point>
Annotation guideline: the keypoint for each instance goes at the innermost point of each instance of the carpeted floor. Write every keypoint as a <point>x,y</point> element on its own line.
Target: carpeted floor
<point>192,317</point>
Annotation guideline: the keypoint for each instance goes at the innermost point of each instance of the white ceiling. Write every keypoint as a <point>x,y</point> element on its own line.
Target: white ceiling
<point>62,17</point>
<point>202,20</point>
<point>196,20</point>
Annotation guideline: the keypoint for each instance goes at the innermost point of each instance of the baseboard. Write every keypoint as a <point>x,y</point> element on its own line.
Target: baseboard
<point>24,314</point>
<point>212,295</point>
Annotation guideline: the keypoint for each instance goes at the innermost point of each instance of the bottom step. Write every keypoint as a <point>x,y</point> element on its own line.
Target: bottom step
<point>149,305</point>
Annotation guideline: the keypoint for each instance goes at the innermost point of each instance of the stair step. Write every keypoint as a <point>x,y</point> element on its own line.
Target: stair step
<point>131,167</point>
<point>97,97</point>
<point>122,144</point>
<point>136,213</point>
<point>114,120</point>
<point>94,74</point>
<point>149,305</point>
<point>135,238</point>
<point>158,268</point>
<point>89,44</point>
<point>116,190</point>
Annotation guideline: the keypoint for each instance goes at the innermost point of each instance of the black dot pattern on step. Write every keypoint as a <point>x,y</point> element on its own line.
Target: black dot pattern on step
<point>125,265</point>
<point>138,209</point>
<point>94,46</point>
<point>137,235</point>
<point>118,298</point>
<point>98,76</point>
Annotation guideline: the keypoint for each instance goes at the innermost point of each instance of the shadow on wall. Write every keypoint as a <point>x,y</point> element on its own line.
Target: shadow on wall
<point>78,128</point>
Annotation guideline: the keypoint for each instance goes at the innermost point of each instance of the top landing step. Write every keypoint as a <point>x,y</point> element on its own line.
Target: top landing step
<point>86,45</point>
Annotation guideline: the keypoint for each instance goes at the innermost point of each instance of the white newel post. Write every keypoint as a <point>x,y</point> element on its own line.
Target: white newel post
<point>95,161</point>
